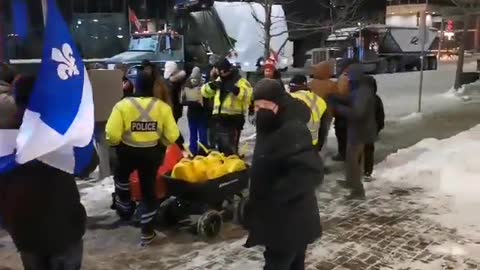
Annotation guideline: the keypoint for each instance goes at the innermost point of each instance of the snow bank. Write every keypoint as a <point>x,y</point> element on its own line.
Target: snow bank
<point>447,168</point>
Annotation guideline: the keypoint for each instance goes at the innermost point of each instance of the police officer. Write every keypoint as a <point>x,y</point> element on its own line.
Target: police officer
<point>318,124</point>
<point>231,94</point>
<point>140,128</point>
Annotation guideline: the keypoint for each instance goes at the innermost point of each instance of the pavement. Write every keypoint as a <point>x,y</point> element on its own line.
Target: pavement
<point>390,230</point>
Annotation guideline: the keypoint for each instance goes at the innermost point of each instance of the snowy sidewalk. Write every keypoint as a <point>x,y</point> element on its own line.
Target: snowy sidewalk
<point>421,214</point>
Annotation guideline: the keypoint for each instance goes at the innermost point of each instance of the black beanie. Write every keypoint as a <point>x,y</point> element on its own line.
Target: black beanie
<point>144,84</point>
<point>271,90</point>
<point>299,80</point>
<point>224,64</point>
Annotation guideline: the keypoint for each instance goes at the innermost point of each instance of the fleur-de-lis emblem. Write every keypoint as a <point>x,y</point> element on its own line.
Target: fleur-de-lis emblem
<point>66,67</point>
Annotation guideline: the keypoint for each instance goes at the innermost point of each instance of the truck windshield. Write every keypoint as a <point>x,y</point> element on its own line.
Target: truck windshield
<point>149,43</point>
<point>170,43</point>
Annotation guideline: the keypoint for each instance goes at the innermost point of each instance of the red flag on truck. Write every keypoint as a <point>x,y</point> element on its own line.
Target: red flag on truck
<point>134,19</point>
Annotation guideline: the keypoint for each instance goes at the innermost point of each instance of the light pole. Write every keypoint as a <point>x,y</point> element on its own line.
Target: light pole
<point>423,35</point>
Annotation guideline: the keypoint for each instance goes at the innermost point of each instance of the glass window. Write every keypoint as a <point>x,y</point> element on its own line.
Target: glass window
<point>170,43</point>
<point>143,43</point>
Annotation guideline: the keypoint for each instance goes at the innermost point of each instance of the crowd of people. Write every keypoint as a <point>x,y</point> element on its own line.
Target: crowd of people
<point>292,125</point>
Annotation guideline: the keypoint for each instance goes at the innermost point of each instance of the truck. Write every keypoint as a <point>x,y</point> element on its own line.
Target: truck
<point>379,48</point>
<point>206,28</point>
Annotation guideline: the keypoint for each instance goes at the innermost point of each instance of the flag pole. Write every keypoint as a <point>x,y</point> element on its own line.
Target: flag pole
<point>44,11</point>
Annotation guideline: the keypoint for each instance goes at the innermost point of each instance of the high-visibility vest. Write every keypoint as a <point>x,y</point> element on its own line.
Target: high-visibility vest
<point>231,104</point>
<point>142,122</point>
<point>317,106</point>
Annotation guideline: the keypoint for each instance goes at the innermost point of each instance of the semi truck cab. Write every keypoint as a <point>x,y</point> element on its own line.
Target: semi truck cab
<point>158,48</point>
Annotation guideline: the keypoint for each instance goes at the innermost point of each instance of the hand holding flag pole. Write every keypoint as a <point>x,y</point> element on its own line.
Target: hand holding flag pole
<point>58,123</point>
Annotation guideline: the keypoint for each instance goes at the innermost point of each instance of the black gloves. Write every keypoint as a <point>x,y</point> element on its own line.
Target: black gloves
<point>213,85</point>
<point>235,90</point>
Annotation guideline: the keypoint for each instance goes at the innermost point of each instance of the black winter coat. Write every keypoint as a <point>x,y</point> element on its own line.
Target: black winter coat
<point>41,209</point>
<point>379,113</point>
<point>282,212</point>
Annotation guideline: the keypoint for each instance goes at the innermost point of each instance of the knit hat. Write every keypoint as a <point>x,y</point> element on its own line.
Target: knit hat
<point>144,84</point>
<point>170,68</point>
<point>196,73</point>
<point>196,77</point>
<point>297,83</point>
<point>271,90</point>
<point>298,80</point>
<point>224,64</point>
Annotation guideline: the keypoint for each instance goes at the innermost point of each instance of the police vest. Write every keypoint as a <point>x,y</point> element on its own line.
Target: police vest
<point>317,107</point>
<point>142,125</point>
<point>231,104</point>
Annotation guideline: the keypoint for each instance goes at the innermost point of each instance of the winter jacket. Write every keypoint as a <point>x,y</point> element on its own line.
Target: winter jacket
<point>41,209</point>
<point>176,83</point>
<point>192,96</point>
<point>282,212</point>
<point>360,112</point>
<point>321,83</point>
<point>379,113</point>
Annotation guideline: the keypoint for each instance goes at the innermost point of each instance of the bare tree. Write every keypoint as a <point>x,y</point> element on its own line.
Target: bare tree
<point>340,16</point>
<point>468,8</point>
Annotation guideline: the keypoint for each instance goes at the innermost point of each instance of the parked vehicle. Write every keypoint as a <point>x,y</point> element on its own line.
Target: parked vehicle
<point>380,48</point>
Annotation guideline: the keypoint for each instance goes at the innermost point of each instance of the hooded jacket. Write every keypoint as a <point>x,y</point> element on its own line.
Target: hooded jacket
<point>321,83</point>
<point>360,110</point>
<point>282,212</point>
<point>192,95</point>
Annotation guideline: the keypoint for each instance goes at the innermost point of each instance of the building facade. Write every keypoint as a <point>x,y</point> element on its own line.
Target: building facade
<point>407,13</point>
<point>99,27</point>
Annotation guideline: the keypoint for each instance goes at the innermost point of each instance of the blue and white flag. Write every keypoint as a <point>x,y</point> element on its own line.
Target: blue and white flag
<point>58,124</point>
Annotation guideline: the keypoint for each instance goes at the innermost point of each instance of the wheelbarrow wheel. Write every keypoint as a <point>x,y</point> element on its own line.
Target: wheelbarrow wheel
<point>240,211</point>
<point>172,212</point>
<point>209,224</point>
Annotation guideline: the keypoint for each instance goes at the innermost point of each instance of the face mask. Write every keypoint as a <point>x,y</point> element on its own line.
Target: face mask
<point>266,121</point>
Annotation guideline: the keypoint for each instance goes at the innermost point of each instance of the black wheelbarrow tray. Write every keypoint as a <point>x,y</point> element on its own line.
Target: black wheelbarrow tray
<point>204,206</point>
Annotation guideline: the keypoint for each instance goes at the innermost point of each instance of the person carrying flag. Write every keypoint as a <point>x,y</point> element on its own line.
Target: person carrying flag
<point>49,144</point>
<point>140,128</point>
<point>40,204</point>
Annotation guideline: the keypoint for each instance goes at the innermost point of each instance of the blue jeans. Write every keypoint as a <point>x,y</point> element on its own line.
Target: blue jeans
<point>198,132</point>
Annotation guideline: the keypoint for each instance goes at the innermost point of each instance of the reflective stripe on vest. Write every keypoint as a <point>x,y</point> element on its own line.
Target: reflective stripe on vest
<point>228,111</point>
<point>143,118</point>
<point>314,124</point>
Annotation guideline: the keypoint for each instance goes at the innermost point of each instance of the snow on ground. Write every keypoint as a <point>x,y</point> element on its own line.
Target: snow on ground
<point>449,170</point>
<point>97,199</point>
<point>400,91</point>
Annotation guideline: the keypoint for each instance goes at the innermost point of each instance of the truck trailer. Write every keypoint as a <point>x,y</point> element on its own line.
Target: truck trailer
<point>380,48</point>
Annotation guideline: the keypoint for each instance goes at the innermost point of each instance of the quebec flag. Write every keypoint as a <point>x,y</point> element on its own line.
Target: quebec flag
<point>58,124</point>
